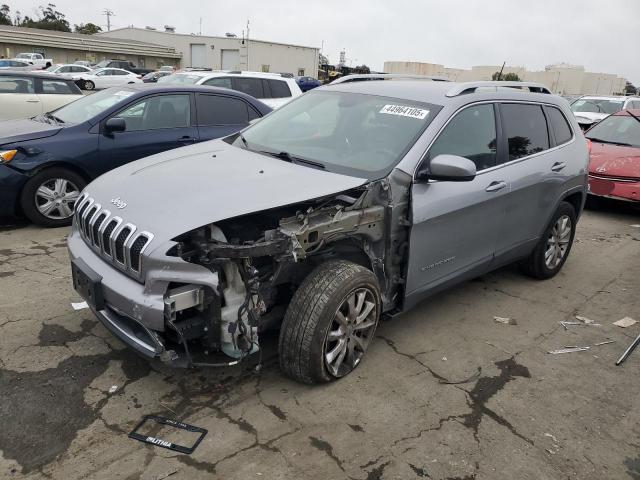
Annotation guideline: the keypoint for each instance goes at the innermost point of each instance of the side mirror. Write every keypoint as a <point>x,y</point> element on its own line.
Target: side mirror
<point>115,125</point>
<point>448,168</point>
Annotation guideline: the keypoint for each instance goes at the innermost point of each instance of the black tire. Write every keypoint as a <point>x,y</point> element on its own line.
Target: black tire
<point>535,265</point>
<point>88,85</point>
<point>314,309</point>
<point>29,203</point>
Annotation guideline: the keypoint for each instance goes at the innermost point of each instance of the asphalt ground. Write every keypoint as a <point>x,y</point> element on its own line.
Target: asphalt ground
<point>445,391</point>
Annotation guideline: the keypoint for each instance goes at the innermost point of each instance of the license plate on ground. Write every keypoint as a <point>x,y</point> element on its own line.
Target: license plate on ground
<point>87,283</point>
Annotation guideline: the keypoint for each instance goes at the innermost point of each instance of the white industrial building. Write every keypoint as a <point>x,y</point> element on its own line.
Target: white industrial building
<point>227,53</point>
<point>562,78</point>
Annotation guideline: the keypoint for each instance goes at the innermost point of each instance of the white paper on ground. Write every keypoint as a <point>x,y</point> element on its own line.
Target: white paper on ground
<point>79,305</point>
<point>625,322</point>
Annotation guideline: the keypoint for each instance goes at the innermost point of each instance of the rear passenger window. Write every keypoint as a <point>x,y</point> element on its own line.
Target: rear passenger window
<point>219,110</point>
<point>559,125</point>
<point>279,89</point>
<point>250,86</point>
<point>525,128</point>
<point>470,134</point>
<point>56,86</point>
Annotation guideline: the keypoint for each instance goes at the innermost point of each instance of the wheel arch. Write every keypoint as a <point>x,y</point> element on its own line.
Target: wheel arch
<point>41,168</point>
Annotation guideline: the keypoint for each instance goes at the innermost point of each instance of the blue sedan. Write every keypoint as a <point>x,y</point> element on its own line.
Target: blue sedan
<point>45,161</point>
<point>307,83</point>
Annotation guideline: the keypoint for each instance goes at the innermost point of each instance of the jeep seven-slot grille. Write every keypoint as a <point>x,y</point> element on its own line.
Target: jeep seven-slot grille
<point>120,239</point>
<point>118,242</point>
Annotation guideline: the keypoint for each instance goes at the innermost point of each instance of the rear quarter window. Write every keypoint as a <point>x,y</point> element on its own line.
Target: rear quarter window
<point>559,125</point>
<point>525,128</point>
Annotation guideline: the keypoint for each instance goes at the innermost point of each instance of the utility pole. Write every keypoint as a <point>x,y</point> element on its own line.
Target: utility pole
<point>108,13</point>
<point>200,27</point>
<point>248,44</point>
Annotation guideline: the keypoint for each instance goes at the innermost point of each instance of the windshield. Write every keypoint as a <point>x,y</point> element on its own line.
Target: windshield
<point>180,79</point>
<point>89,106</point>
<point>353,134</point>
<point>617,129</point>
<point>597,105</point>
<point>103,64</point>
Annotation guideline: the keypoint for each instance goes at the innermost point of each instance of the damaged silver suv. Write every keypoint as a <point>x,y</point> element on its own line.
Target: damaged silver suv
<point>354,201</point>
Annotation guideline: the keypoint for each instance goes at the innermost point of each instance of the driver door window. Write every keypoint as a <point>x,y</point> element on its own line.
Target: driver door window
<point>470,134</point>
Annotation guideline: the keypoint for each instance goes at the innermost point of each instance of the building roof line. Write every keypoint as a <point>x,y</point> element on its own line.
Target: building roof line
<point>216,37</point>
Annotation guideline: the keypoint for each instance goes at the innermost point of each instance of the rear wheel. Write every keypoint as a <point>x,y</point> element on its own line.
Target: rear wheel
<point>48,198</point>
<point>89,85</point>
<point>329,323</point>
<point>554,246</point>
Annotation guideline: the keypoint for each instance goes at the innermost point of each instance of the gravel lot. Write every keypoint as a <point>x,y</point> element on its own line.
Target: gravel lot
<point>444,393</point>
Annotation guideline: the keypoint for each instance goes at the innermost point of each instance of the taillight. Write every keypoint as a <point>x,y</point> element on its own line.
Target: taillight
<point>589,145</point>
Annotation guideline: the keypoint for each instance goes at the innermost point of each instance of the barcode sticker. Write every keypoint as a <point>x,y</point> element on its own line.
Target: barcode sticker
<point>404,111</point>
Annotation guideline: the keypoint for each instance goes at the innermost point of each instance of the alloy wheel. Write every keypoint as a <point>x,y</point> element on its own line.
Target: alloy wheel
<point>56,198</point>
<point>350,332</point>
<point>558,242</point>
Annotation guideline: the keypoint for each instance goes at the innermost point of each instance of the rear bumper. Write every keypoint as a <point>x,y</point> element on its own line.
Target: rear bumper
<point>11,183</point>
<point>619,189</point>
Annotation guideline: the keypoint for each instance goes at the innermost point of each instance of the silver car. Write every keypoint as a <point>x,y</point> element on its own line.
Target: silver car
<point>354,201</point>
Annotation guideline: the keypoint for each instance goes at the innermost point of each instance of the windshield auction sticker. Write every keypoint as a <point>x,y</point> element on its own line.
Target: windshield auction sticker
<point>403,111</point>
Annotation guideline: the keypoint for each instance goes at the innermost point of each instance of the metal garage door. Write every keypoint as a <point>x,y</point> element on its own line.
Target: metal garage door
<point>198,55</point>
<point>230,59</point>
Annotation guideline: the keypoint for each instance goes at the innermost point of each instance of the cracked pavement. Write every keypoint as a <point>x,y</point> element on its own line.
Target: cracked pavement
<point>445,392</point>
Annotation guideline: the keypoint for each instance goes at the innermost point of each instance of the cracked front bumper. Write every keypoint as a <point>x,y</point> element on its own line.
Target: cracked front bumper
<point>132,311</point>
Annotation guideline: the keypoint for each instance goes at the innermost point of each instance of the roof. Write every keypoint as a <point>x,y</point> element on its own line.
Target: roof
<point>219,73</point>
<point>31,74</point>
<point>436,92</point>
<point>168,88</point>
<point>78,41</point>
<point>609,97</point>
<point>212,37</point>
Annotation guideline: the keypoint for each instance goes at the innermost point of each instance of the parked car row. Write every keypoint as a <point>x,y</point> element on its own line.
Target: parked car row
<point>353,201</point>
<point>46,160</point>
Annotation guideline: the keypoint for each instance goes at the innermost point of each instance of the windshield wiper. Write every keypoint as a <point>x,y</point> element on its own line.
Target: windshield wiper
<point>244,140</point>
<point>599,140</point>
<point>634,116</point>
<point>53,117</point>
<point>287,157</point>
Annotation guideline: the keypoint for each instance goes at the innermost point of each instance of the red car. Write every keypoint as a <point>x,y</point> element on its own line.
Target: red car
<point>614,168</point>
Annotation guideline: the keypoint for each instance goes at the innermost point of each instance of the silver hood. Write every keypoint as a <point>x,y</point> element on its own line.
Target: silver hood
<point>176,191</point>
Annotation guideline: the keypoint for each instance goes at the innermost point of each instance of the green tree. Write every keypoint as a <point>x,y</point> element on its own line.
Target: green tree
<point>506,77</point>
<point>629,89</point>
<point>48,19</point>
<point>5,19</point>
<point>87,28</point>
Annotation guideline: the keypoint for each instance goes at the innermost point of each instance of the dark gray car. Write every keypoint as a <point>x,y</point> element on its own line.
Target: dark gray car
<point>354,201</point>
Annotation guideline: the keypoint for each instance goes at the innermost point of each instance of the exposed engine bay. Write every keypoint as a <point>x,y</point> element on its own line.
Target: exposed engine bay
<point>261,258</point>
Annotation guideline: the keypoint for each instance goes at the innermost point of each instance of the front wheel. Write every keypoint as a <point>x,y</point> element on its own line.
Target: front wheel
<point>554,246</point>
<point>89,85</point>
<point>329,323</point>
<point>48,198</point>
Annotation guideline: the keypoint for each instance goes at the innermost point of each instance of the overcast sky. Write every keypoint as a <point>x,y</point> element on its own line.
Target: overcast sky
<point>602,35</point>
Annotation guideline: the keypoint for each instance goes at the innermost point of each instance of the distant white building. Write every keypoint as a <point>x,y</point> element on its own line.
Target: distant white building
<point>228,52</point>
<point>562,78</point>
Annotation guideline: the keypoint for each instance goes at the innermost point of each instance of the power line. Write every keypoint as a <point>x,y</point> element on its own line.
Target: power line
<point>108,13</point>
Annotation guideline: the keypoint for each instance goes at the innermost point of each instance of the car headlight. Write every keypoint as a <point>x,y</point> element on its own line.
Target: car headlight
<point>7,155</point>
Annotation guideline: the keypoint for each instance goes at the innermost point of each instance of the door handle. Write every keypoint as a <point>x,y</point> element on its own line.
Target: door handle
<point>556,167</point>
<point>187,139</point>
<point>33,101</point>
<point>495,186</point>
